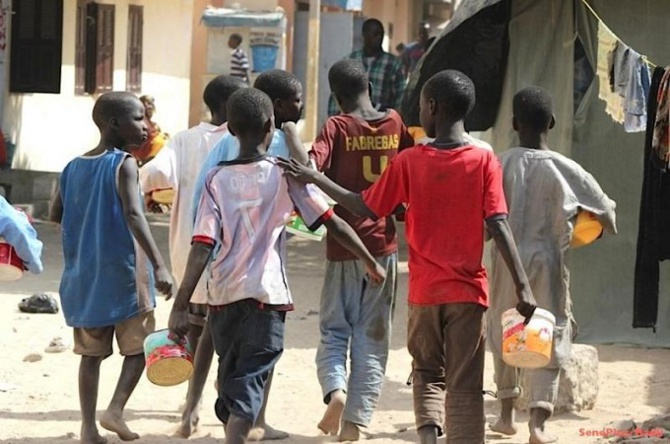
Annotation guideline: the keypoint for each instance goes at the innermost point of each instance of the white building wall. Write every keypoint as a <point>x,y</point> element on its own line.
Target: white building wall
<point>51,129</point>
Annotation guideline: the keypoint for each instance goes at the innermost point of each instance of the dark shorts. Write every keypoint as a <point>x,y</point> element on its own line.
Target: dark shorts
<point>197,314</point>
<point>249,340</point>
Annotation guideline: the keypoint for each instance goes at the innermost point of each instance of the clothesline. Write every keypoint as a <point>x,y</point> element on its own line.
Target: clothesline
<point>597,17</point>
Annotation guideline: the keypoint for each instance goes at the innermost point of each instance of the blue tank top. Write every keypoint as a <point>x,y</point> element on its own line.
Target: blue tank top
<point>106,278</point>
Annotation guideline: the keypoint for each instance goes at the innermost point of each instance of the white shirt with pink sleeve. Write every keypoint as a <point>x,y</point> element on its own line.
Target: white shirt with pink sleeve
<point>244,209</point>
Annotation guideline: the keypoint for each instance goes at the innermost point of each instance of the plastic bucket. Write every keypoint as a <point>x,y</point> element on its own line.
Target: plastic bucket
<point>587,229</point>
<point>168,362</point>
<point>11,265</point>
<point>527,346</point>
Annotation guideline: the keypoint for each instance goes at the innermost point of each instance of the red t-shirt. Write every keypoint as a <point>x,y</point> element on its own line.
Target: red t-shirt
<point>448,194</point>
<point>354,152</point>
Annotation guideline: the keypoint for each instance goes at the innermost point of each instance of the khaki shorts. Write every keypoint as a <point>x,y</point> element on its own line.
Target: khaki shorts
<point>130,335</point>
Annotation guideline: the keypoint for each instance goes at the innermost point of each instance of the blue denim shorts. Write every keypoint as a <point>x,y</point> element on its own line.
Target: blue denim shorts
<point>249,339</point>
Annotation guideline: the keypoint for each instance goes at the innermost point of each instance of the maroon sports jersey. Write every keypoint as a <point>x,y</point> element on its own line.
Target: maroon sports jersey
<point>354,152</point>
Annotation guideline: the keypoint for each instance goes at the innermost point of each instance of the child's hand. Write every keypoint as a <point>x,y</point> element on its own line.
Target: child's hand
<point>298,171</point>
<point>178,323</point>
<point>163,281</point>
<point>527,305</point>
<point>376,272</point>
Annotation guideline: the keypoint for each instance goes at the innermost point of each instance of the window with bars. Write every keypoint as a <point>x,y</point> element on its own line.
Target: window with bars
<point>94,48</point>
<point>134,61</point>
<point>36,46</point>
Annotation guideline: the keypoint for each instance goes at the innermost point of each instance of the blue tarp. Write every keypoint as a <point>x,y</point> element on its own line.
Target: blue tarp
<point>349,5</point>
<point>223,17</point>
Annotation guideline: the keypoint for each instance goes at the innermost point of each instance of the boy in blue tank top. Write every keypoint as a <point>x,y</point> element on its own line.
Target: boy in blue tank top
<point>107,284</point>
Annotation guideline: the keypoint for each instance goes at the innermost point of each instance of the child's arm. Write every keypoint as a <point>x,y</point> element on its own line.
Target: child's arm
<point>351,201</point>
<point>198,258</point>
<point>56,207</point>
<point>295,146</point>
<point>139,227</point>
<point>501,232</point>
<point>348,238</point>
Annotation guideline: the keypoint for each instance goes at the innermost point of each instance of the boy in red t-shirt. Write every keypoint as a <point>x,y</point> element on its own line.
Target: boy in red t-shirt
<point>450,189</point>
<point>353,149</point>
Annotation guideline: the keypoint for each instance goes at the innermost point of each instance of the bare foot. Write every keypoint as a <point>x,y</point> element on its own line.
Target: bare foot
<point>114,423</point>
<point>538,436</point>
<point>330,423</point>
<point>92,437</point>
<point>349,432</point>
<point>504,428</point>
<point>266,433</point>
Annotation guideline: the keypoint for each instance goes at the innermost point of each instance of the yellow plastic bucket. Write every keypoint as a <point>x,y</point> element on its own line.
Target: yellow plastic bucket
<point>587,229</point>
<point>527,346</point>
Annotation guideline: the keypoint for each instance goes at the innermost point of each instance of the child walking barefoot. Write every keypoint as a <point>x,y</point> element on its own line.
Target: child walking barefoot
<point>106,286</point>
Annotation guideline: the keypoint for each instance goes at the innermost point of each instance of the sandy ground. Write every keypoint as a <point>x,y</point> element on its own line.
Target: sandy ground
<point>39,404</point>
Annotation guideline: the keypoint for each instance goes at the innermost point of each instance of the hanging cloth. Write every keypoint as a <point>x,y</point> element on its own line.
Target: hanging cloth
<point>607,43</point>
<point>660,144</point>
<point>653,241</point>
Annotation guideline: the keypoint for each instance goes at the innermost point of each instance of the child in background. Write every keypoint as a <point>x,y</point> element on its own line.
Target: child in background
<point>532,173</point>
<point>106,286</point>
<point>244,208</point>
<point>176,167</point>
<point>353,149</point>
<point>450,189</point>
<point>285,91</point>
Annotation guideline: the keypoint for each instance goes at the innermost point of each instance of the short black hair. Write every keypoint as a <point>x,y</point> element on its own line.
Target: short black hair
<point>278,84</point>
<point>370,23</point>
<point>237,37</point>
<point>248,111</point>
<point>219,89</point>
<point>452,90</point>
<point>348,79</point>
<point>114,104</point>
<point>533,106</point>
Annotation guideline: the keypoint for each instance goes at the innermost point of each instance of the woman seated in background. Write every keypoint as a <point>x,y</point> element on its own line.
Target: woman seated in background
<point>156,139</point>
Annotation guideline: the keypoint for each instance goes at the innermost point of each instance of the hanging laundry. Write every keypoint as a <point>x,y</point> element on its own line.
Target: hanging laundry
<point>635,93</point>
<point>607,43</point>
<point>653,241</point>
<point>660,145</point>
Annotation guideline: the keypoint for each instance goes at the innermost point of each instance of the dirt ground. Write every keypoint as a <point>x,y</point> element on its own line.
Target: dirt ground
<point>39,401</point>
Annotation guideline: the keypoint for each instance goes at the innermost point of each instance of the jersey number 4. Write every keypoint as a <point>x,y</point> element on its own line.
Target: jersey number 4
<point>368,174</point>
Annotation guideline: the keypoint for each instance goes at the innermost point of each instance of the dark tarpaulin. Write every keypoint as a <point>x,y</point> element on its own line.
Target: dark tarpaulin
<point>478,47</point>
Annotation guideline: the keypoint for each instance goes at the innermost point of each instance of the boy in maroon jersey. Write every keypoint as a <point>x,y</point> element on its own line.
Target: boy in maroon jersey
<point>353,150</point>
<point>450,188</point>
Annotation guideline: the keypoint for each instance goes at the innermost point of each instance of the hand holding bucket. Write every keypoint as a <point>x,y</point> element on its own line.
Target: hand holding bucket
<point>527,343</point>
<point>169,359</point>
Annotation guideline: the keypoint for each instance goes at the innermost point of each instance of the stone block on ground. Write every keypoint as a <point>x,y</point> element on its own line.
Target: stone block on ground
<point>578,384</point>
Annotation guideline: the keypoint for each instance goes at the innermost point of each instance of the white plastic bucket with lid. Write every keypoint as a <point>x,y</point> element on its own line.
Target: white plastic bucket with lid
<point>527,346</point>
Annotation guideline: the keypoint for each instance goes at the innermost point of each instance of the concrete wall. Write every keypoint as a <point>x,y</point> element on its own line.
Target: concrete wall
<point>51,129</point>
<point>399,18</point>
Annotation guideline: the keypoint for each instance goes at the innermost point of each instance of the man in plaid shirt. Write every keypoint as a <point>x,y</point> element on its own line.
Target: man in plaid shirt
<point>387,80</point>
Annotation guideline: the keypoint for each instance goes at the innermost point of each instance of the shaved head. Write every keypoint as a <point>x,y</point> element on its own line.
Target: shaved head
<point>114,104</point>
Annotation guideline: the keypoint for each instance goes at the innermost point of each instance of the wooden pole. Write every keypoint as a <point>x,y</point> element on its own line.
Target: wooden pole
<point>312,96</point>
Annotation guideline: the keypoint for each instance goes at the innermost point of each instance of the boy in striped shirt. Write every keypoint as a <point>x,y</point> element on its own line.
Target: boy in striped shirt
<point>239,63</point>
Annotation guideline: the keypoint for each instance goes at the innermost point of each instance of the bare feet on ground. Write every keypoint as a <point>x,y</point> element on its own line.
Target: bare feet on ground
<point>91,437</point>
<point>503,427</point>
<point>266,433</point>
<point>114,423</point>
<point>330,423</point>
<point>188,426</point>
<point>538,436</point>
<point>349,432</point>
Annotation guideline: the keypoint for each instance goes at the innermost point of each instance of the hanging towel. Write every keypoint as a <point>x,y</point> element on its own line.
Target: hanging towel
<point>607,43</point>
<point>653,241</point>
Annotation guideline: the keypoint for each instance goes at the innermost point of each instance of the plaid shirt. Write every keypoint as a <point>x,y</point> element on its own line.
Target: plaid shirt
<point>387,78</point>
